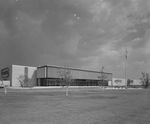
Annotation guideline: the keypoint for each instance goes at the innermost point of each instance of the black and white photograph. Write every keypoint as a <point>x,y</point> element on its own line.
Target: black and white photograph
<point>74,61</point>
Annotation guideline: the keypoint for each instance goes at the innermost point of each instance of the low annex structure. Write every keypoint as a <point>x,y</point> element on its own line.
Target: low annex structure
<point>48,76</point>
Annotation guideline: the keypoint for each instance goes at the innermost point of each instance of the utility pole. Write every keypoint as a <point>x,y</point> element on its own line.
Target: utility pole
<point>126,56</point>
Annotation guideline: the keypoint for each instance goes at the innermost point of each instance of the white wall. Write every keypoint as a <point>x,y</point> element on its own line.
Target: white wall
<point>118,82</point>
<point>32,75</point>
<point>109,83</point>
<point>5,83</point>
<point>18,70</point>
<point>136,82</point>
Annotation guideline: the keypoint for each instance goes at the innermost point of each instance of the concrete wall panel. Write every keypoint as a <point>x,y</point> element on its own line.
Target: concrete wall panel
<point>20,71</point>
<point>119,82</point>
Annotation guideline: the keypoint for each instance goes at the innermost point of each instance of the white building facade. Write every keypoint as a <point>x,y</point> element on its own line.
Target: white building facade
<point>119,82</point>
<point>12,73</point>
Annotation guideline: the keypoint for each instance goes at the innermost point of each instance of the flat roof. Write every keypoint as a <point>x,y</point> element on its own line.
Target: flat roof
<point>25,66</point>
<point>54,66</point>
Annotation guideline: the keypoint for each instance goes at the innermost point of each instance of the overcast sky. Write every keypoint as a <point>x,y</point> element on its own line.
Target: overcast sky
<point>85,34</point>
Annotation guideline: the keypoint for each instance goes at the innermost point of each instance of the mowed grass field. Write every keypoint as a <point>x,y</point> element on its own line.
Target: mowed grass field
<point>82,106</point>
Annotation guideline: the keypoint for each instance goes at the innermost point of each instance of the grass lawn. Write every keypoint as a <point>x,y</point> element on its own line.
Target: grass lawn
<point>82,106</point>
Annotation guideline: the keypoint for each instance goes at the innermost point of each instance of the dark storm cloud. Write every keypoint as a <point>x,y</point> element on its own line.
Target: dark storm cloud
<point>40,27</point>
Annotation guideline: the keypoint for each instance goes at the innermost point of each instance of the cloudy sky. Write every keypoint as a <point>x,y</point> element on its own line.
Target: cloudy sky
<point>85,34</point>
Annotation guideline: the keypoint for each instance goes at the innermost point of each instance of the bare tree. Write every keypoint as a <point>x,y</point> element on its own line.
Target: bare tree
<point>102,77</point>
<point>145,79</point>
<point>65,77</point>
<point>24,81</point>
